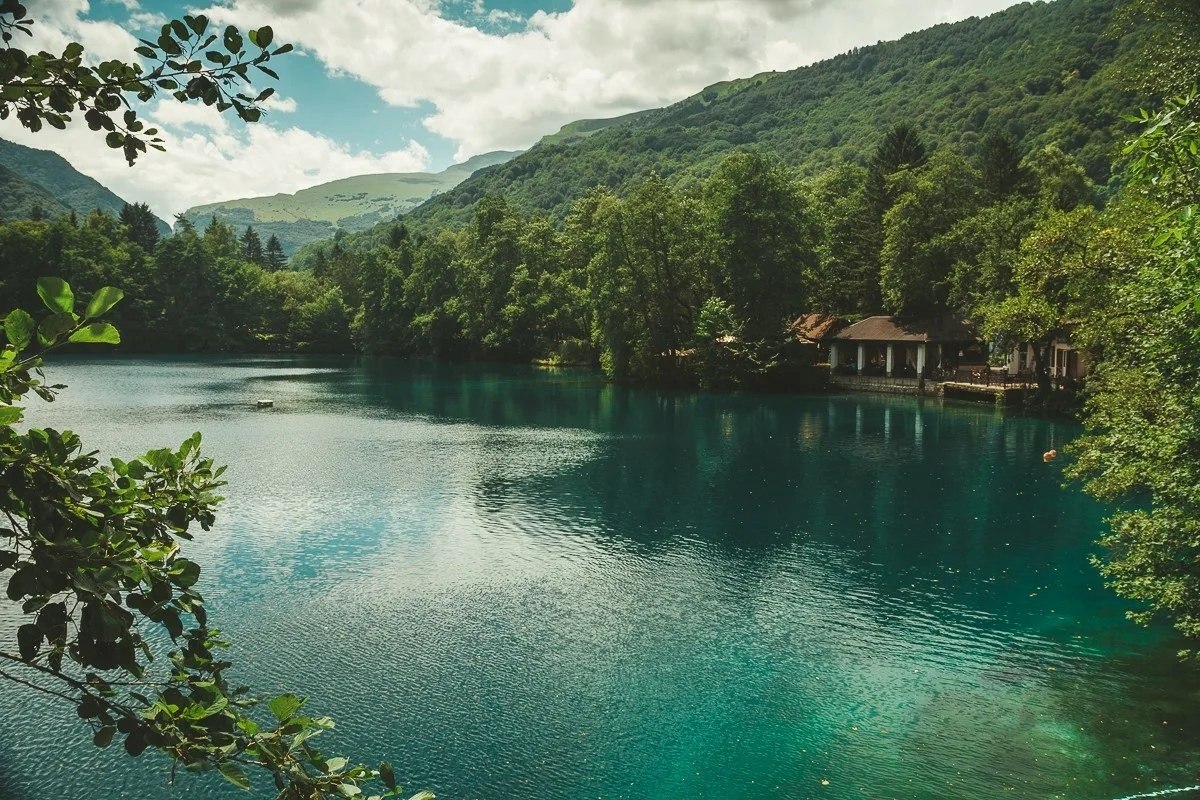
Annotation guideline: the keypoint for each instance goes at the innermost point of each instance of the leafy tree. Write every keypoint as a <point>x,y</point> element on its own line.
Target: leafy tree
<point>918,255</point>
<point>666,252</point>
<point>1142,414</point>
<point>252,247</point>
<point>902,148</point>
<point>1069,268</point>
<point>141,226</point>
<point>1062,183</point>
<point>986,248</point>
<point>846,280</point>
<point>382,323</point>
<point>765,241</point>
<point>431,293</point>
<point>1001,168</point>
<point>486,268</point>
<point>274,259</point>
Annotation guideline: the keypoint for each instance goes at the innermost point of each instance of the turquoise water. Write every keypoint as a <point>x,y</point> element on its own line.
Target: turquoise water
<point>515,583</point>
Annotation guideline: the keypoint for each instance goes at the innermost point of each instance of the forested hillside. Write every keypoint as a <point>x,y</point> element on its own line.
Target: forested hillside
<point>23,199</point>
<point>70,187</point>
<point>1035,72</point>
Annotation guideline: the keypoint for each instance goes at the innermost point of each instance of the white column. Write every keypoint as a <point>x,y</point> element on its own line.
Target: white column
<point>921,360</point>
<point>833,359</point>
<point>862,358</point>
<point>891,359</point>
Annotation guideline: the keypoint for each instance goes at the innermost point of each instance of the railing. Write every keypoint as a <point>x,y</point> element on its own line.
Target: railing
<point>991,376</point>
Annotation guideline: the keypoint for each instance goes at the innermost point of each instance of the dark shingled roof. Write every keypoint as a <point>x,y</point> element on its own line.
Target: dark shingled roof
<point>816,327</point>
<point>891,329</point>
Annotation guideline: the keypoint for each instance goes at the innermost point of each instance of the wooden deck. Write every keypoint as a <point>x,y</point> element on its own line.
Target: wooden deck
<point>995,393</point>
<point>1000,395</point>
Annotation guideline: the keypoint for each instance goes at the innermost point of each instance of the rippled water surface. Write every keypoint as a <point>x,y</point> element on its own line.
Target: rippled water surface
<point>525,584</point>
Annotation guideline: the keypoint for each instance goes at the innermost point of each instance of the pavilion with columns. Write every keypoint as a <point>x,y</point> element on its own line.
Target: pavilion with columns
<point>895,348</point>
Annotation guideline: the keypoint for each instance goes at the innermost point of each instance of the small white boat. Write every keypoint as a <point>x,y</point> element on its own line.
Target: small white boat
<point>265,403</point>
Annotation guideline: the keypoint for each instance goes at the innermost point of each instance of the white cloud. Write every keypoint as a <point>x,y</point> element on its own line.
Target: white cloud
<point>496,90</point>
<point>144,20</point>
<point>210,158</point>
<point>58,22</point>
<point>280,105</point>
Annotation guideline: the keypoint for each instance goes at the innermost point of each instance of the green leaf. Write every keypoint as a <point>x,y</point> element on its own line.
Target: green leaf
<point>54,326</point>
<point>185,572</point>
<point>284,706</point>
<point>56,294</point>
<point>233,773</point>
<point>387,775</point>
<point>19,328</point>
<point>96,333</point>
<point>426,795</point>
<point>233,40</point>
<point>103,301</point>
<point>29,641</point>
<point>10,415</point>
<point>264,36</point>
<point>336,764</point>
<point>104,736</point>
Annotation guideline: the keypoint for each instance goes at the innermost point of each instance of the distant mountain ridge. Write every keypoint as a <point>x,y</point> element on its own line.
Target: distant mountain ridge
<point>350,204</point>
<point>54,175</point>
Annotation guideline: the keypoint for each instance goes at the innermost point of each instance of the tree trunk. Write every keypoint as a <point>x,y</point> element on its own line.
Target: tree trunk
<point>1041,367</point>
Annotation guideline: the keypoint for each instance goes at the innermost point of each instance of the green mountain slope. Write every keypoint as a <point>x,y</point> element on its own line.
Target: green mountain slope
<point>19,198</point>
<point>352,204</point>
<point>70,187</point>
<point>1036,71</point>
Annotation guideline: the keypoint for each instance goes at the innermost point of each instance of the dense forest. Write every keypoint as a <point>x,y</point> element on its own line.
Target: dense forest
<point>716,222</point>
<point>665,284</point>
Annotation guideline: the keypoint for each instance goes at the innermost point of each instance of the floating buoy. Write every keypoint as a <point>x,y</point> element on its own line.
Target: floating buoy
<point>1049,456</point>
<point>265,403</point>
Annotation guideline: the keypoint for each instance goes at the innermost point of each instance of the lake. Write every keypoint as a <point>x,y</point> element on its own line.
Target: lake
<point>521,583</point>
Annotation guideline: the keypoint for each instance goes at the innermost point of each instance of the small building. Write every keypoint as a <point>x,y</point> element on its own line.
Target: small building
<point>808,337</point>
<point>816,328</point>
<point>1067,362</point>
<point>892,347</point>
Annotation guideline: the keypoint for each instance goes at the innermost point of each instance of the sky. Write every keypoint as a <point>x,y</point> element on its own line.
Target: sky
<point>417,85</point>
